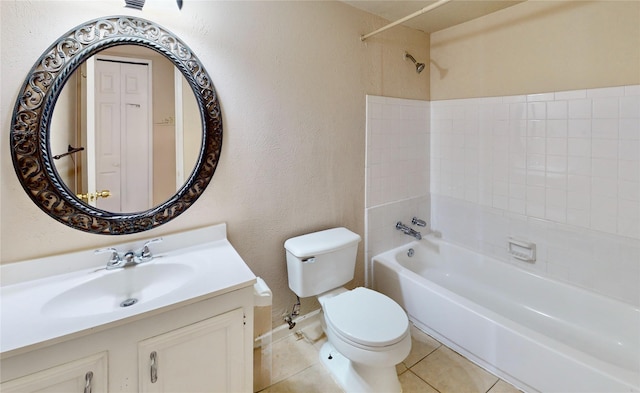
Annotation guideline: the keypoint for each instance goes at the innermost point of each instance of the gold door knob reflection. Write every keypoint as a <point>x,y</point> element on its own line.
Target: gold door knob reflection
<point>92,196</point>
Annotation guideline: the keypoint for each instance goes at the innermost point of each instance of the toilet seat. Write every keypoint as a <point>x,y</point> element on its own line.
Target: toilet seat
<point>366,317</point>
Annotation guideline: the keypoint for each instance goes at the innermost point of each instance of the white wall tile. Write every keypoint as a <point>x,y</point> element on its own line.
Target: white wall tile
<point>540,97</point>
<point>537,128</point>
<point>605,148</point>
<point>557,214</point>
<point>629,129</point>
<point>630,107</point>
<point>557,128</point>
<point>564,165</point>
<point>557,165</point>
<point>579,201</point>
<point>633,90</point>
<point>629,190</point>
<point>557,109</point>
<point>616,91</point>
<point>629,170</point>
<point>556,198</point>
<point>556,146</point>
<point>568,159</point>
<point>604,128</point>
<point>569,95</point>
<point>517,111</point>
<point>629,150</point>
<point>579,128</point>
<point>603,186</point>
<point>514,99</point>
<point>578,217</point>
<point>604,213</point>
<point>605,108</point>
<point>604,168</point>
<point>556,181</point>
<point>580,109</point>
<point>579,165</point>
<point>398,167</point>
<point>536,145</point>
<point>537,110</point>
<point>579,147</point>
<point>580,184</point>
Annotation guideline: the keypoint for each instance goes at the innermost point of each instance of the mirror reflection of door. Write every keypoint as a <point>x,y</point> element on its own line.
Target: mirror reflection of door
<point>172,147</point>
<point>123,134</point>
<point>187,118</point>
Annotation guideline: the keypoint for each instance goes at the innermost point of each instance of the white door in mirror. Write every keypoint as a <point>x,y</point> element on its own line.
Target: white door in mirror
<point>123,135</point>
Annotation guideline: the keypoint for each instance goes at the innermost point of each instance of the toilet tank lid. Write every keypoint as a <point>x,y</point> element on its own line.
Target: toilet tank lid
<point>321,242</point>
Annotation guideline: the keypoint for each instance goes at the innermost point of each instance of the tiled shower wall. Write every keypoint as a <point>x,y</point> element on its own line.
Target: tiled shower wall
<point>559,169</point>
<point>397,170</point>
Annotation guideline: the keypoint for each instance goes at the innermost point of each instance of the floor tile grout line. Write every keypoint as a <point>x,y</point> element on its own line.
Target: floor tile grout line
<point>407,368</point>
<point>493,385</point>
<point>424,357</point>
<point>433,387</point>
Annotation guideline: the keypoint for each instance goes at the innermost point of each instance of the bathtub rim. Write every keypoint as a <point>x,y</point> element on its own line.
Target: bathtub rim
<point>619,374</point>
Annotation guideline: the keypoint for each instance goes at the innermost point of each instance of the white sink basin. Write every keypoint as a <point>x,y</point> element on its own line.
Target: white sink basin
<point>119,288</point>
<point>51,299</point>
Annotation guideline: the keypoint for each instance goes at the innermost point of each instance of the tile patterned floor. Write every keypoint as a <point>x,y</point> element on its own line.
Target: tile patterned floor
<point>430,368</point>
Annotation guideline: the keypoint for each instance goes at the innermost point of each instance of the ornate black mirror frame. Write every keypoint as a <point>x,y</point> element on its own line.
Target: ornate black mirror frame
<point>30,133</point>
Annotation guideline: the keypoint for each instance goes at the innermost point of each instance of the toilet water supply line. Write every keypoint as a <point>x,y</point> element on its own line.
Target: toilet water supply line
<point>406,18</point>
<point>294,313</point>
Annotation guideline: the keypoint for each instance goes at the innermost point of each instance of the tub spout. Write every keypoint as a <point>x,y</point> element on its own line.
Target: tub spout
<point>408,231</point>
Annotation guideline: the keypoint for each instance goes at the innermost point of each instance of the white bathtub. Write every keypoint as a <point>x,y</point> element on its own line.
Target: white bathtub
<point>539,334</point>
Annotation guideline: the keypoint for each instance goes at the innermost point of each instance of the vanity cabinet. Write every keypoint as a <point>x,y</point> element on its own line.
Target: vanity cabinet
<point>88,375</point>
<point>204,357</point>
<point>206,346</point>
<point>182,322</point>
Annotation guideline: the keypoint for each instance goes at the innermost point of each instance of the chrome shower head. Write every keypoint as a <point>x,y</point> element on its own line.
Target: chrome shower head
<point>419,66</point>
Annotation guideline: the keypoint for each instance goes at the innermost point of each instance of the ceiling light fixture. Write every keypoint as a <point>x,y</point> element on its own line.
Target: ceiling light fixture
<point>138,4</point>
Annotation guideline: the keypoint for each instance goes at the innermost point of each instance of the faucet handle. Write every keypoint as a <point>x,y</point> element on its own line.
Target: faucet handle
<point>145,253</point>
<point>418,222</point>
<point>115,257</point>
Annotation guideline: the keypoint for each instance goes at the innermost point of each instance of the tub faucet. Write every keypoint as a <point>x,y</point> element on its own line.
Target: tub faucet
<point>408,231</point>
<point>418,222</point>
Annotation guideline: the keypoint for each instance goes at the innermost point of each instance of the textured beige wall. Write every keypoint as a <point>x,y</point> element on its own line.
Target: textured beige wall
<point>539,46</point>
<point>291,78</point>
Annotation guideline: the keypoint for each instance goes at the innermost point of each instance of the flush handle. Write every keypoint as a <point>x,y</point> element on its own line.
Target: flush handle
<point>154,366</point>
<point>309,260</point>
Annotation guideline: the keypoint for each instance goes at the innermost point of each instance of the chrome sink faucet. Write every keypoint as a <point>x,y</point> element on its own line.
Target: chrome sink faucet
<point>129,258</point>
<point>408,231</point>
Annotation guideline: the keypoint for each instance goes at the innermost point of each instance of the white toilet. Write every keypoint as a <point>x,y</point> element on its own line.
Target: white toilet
<point>368,333</point>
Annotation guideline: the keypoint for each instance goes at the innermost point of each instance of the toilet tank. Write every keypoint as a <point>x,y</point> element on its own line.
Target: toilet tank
<point>321,261</point>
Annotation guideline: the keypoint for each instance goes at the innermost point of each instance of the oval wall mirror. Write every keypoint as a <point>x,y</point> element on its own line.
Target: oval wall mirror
<point>117,128</point>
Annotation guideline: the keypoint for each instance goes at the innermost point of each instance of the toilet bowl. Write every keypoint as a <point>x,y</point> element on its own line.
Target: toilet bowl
<point>371,332</point>
<point>366,326</point>
<point>367,332</point>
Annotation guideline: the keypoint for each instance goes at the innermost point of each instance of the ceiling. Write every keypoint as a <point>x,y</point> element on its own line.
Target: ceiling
<point>447,15</point>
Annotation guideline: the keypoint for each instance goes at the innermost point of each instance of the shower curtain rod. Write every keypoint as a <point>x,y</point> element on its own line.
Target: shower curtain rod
<point>406,18</point>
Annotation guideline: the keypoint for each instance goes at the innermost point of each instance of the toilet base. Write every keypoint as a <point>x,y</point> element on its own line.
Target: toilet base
<point>355,378</point>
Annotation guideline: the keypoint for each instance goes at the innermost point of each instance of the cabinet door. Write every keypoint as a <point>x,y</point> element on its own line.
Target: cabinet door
<point>207,356</point>
<point>87,375</point>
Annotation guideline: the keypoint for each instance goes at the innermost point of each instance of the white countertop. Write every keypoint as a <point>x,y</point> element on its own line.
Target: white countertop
<point>25,322</point>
